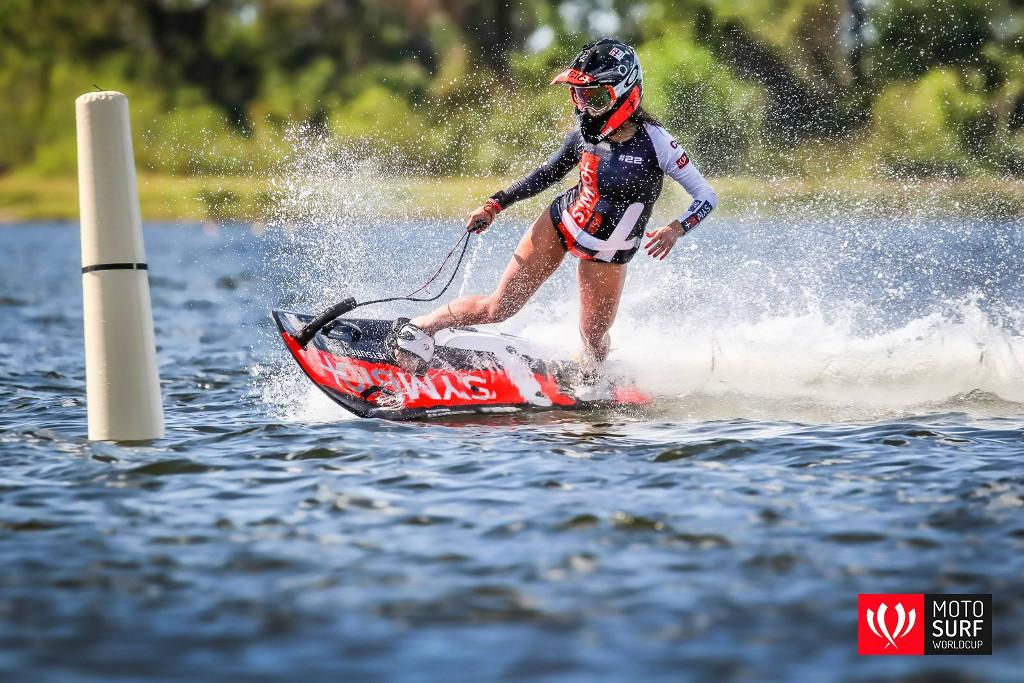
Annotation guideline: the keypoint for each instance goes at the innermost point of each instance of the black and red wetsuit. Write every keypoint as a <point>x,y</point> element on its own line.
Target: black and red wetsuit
<point>603,216</point>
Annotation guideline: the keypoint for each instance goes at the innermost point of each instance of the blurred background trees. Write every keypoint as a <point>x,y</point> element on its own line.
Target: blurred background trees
<point>907,87</point>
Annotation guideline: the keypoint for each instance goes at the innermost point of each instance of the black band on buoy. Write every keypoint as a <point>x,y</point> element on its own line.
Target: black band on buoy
<point>115,266</point>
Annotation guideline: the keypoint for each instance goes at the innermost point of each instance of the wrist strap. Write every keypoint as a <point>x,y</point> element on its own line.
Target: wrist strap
<point>492,207</point>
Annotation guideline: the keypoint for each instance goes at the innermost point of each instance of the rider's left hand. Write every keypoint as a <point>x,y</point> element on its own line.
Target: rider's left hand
<point>663,239</point>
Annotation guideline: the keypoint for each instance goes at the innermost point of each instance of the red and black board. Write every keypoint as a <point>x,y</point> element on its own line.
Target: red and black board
<point>472,372</point>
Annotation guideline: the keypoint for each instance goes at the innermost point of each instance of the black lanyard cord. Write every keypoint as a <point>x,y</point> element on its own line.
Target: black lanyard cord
<point>309,331</point>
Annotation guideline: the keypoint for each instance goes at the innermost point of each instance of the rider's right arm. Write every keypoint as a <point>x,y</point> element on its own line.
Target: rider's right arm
<point>545,175</point>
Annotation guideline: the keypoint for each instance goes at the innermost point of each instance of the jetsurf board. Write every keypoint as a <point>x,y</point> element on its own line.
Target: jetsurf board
<point>473,371</point>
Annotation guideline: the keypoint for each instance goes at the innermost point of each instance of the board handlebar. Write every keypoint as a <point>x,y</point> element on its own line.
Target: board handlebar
<point>306,334</point>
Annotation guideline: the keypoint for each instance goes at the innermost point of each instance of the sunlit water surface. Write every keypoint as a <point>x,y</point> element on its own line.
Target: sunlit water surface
<point>841,412</point>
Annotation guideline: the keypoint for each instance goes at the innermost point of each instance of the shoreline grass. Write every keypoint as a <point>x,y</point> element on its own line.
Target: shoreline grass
<point>25,198</point>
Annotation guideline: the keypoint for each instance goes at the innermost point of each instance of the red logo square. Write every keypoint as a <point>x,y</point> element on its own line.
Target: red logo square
<point>890,624</point>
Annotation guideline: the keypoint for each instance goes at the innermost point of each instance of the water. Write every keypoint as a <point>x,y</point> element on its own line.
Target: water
<point>842,410</point>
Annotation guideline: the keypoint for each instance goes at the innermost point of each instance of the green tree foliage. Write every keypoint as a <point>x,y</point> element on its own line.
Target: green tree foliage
<point>703,102</point>
<point>915,35</point>
<point>929,126</point>
<point>920,87</point>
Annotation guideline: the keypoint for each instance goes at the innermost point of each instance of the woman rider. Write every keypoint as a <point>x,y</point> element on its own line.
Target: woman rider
<point>622,153</point>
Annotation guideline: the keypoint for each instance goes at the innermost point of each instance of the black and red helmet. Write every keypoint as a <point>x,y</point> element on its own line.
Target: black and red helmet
<point>606,84</point>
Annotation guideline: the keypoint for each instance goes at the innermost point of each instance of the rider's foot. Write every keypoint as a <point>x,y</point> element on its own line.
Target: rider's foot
<point>411,347</point>
<point>591,361</point>
<point>590,370</point>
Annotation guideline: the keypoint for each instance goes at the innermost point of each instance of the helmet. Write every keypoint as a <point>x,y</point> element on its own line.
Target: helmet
<point>606,84</point>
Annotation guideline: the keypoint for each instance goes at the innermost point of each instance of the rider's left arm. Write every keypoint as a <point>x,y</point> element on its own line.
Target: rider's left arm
<point>676,164</point>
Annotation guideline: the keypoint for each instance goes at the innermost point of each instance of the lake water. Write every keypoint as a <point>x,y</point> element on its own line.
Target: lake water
<point>841,412</point>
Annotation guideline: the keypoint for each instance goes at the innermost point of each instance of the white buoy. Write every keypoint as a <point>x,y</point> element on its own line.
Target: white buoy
<point>121,381</point>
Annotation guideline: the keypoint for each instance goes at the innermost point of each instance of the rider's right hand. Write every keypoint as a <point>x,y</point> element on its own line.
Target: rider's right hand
<point>482,218</point>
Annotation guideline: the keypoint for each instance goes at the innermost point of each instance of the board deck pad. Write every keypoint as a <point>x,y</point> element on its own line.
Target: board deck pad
<point>473,371</point>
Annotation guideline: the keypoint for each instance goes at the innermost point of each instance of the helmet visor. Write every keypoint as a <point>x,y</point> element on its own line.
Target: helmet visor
<point>595,99</point>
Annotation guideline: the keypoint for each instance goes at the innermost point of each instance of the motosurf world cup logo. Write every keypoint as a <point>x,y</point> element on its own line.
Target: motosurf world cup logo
<point>924,624</point>
<point>890,624</point>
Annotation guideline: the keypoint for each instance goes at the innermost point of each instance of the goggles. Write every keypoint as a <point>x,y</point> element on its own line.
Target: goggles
<point>595,99</point>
